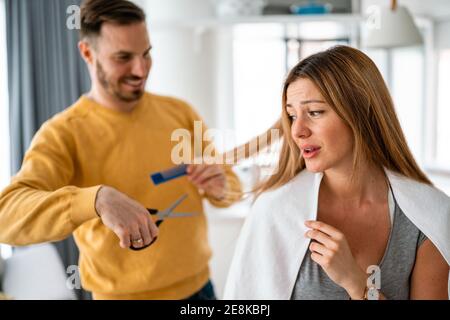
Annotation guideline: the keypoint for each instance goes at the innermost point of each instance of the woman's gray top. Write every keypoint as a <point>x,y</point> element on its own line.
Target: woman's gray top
<point>395,268</point>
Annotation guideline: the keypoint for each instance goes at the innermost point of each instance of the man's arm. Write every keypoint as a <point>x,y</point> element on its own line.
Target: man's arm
<point>39,205</point>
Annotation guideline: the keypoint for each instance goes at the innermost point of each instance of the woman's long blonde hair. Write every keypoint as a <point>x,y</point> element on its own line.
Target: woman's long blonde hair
<point>351,84</point>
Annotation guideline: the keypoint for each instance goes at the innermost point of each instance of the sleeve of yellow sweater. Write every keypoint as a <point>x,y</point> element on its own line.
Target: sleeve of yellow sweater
<point>39,205</point>
<point>233,191</point>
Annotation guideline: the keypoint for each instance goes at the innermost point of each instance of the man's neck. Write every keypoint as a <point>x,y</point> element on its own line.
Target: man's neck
<point>111,102</point>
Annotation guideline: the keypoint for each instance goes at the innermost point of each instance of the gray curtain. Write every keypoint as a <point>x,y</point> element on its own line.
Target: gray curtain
<point>46,75</point>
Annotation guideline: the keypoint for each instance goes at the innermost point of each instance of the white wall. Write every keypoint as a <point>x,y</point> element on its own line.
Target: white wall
<point>184,59</point>
<point>443,34</point>
<point>158,10</point>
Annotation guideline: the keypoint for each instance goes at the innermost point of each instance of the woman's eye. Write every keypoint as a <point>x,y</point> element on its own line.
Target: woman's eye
<point>292,117</point>
<point>315,113</point>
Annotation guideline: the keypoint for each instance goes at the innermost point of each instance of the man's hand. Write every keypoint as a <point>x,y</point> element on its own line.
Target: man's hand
<point>129,220</point>
<point>209,178</point>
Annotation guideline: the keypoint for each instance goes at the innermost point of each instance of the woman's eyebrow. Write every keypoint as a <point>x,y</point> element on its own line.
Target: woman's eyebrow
<point>311,101</point>
<point>288,105</point>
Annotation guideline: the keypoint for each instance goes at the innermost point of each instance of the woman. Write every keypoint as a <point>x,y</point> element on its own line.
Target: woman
<point>347,195</point>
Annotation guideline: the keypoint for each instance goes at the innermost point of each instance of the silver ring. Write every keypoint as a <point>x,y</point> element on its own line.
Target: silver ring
<point>137,241</point>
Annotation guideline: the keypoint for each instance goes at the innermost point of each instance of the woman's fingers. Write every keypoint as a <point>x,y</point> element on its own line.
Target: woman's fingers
<point>325,228</point>
<point>319,259</point>
<point>319,248</point>
<point>322,238</point>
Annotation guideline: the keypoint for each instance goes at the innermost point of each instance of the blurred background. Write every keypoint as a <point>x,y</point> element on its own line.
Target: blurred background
<point>227,58</point>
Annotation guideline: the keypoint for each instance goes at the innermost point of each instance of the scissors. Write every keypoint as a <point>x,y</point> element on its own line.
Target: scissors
<point>166,214</point>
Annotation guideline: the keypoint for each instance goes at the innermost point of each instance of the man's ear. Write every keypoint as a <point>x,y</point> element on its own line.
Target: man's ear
<point>86,51</point>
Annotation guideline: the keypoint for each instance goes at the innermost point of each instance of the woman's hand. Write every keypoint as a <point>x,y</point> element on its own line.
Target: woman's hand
<point>332,252</point>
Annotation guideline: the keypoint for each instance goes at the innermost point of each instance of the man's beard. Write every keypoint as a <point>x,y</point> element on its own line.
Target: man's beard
<point>114,89</point>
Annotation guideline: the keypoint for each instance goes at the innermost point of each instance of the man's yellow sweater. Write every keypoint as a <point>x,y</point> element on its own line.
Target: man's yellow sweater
<point>87,146</point>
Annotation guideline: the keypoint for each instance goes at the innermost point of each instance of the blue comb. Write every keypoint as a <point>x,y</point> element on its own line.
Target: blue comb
<point>167,175</point>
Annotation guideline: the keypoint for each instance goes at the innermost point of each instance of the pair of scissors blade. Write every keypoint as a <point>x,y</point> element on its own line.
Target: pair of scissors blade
<point>182,214</point>
<point>165,213</point>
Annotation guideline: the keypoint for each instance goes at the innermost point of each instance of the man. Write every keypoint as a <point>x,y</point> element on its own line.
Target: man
<point>87,173</point>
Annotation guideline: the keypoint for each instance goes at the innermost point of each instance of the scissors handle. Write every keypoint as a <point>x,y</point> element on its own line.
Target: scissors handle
<point>154,212</point>
<point>158,223</point>
<point>137,249</point>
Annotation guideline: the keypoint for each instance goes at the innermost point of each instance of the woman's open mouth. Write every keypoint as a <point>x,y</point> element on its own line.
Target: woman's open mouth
<point>310,151</point>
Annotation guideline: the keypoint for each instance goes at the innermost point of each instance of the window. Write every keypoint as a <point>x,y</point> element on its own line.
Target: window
<point>258,69</point>
<point>262,56</point>
<point>408,90</point>
<point>307,38</point>
<point>443,112</point>
<point>404,70</point>
<point>5,251</point>
<point>408,72</point>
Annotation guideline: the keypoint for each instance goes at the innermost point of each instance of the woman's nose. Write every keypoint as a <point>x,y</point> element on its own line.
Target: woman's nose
<point>300,128</point>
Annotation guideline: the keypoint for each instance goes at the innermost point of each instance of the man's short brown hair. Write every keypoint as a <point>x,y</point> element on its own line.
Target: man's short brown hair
<point>96,12</point>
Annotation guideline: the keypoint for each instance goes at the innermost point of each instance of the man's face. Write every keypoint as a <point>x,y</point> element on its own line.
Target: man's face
<point>122,60</point>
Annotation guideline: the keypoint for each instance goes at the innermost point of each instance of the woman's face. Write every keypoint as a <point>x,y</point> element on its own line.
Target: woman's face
<point>325,142</point>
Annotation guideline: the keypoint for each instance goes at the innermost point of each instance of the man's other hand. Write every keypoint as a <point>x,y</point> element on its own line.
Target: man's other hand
<point>210,179</point>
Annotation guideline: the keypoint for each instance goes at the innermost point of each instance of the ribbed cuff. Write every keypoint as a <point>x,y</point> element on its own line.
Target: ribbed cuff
<point>83,205</point>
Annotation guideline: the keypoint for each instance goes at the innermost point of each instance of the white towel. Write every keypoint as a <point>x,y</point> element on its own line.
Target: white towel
<point>272,245</point>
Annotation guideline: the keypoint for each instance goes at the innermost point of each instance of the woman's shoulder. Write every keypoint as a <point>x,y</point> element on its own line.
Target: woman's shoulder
<point>427,207</point>
<point>416,190</point>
